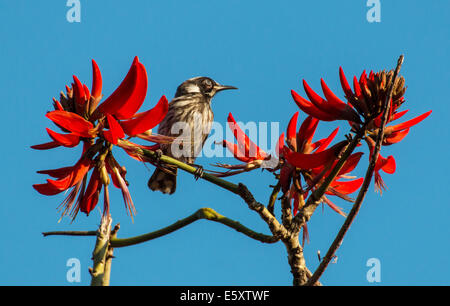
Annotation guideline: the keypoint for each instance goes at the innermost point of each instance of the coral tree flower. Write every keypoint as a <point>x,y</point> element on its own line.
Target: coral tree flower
<point>367,97</point>
<point>245,150</point>
<point>98,127</point>
<point>313,161</point>
<point>329,109</point>
<point>366,101</point>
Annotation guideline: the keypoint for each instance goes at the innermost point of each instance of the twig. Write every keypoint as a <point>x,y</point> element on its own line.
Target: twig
<point>363,191</point>
<point>273,198</point>
<point>70,233</point>
<point>276,228</point>
<point>203,213</point>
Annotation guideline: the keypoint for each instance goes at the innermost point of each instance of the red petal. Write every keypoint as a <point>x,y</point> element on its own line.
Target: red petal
<point>309,161</point>
<point>57,105</point>
<point>129,96</point>
<point>357,88</point>
<point>347,187</point>
<point>351,163</point>
<point>71,122</point>
<point>332,99</point>
<point>96,81</point>
<point>114,178</point>
<point>129,108</point>
<point>311,109</point>
<point>285,177</point>
<point>388,164</point>
<point>371,76</point>
<point>146,120</point>
<point>280,145</point>
<point>317,100</point>
<point>346,112</point>
<point>251,149</point>
<point>411,122</point>
<point>46,146</point>
<point>66,140</point>
<point>324,143</point>
<point>115,130</point>
<point>57,173</point>
<point>89,204</point>
<point>345,86</point>
<point>86,92</point>
<point>292,131</point>
<point>79,94</point>
<point>122,94</point>
<point>46,189</point>
<point>395,137</point>
<point>78,172</point>
<point>306,131</point>
<point>92,192</point>
<point>237,151</point>
<point>398,115</point>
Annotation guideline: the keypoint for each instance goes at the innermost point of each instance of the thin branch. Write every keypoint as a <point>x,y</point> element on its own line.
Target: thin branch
<point>273,198</point>
<point>70,233</point>
<point>363,191</point>
<point>203,213</point>
<point>276,228</point>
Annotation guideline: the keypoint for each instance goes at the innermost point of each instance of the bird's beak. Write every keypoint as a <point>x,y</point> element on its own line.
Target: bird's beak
<point>224,87</point>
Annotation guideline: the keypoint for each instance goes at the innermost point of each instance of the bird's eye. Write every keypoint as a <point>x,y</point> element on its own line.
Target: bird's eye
<point>207,85</point>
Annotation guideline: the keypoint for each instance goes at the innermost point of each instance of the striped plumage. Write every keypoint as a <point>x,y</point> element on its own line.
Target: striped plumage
<point>190,108</point>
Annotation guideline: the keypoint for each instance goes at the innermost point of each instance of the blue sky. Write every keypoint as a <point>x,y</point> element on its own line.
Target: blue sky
<point>265,48</point>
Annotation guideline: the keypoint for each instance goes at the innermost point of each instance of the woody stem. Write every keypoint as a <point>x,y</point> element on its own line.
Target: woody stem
<point>100,271</point>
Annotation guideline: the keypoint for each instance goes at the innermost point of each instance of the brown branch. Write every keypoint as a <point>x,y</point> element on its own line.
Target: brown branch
<point>363,191</point>
<point>277,229</point>
<point>273,198</point>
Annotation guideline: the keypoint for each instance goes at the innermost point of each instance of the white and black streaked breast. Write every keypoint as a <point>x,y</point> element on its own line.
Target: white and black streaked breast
<point>194,109</point>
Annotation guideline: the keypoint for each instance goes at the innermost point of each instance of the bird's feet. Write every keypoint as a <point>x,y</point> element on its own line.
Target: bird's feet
<point>159,153</point>
<point>199,172</point>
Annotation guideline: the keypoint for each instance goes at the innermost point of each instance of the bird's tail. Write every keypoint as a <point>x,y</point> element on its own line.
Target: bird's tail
<point>163,181</point>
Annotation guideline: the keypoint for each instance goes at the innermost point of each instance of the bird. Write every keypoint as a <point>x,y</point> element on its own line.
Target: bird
<point>191,109</point>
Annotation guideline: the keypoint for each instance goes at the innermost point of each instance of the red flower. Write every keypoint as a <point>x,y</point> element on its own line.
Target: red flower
<point>388,166</point>
<point>313,161</point>
<point>98,128</point>
<point>245,150</point>
<point>368,97</point>
<point>326,110</point>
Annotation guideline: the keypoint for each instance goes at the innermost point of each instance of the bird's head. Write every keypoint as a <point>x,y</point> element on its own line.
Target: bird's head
<point>201,85</point>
